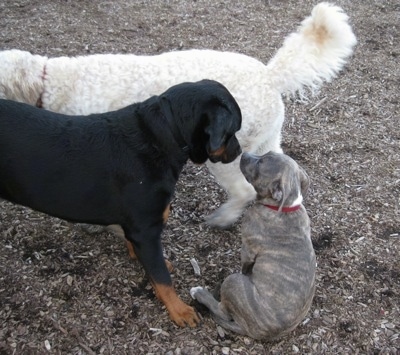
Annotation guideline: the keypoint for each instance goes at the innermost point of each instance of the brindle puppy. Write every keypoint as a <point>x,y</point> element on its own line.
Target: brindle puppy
<point>276,287</point>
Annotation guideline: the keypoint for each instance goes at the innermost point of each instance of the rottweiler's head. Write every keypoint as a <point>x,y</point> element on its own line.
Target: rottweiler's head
<point>206,117</point>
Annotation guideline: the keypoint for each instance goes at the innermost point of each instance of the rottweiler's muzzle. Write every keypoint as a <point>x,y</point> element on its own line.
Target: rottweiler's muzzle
<point>227,153</point>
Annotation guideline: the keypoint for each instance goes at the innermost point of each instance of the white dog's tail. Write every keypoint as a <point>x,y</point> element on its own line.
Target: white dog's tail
<point>313,54</point>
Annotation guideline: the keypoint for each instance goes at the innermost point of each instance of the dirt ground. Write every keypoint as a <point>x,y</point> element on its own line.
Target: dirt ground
<point>65,291</point>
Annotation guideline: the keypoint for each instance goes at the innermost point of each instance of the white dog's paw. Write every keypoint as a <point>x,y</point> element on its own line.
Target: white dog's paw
<point>224,216</point>
<point>229,212</point>
<point>194,290</point>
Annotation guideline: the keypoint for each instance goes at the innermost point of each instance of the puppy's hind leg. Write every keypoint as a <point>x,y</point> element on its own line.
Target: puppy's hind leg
<point>205,297</point>
<point>219,314</point>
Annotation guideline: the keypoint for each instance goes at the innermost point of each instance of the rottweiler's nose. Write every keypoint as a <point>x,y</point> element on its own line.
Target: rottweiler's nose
<point>232,151</point>
<point>227,153</point>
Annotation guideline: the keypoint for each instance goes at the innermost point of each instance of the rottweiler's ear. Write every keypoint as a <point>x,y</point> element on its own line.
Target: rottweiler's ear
<point>304,181</point>
<point>165,106</point>
<point>216,137</point>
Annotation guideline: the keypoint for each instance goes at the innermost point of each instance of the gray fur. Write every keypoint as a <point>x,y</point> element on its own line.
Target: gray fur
<point>274,292</point>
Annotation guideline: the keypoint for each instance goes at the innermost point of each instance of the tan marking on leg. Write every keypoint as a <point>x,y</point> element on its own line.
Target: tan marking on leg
<point>179,311</point>
<point>166,213</point>
<point>133,256</point>
<point>169,265</point>
<point>131,251</point>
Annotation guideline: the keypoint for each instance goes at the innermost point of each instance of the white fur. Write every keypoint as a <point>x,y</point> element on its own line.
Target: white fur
<point>82,85</point>
<point>21,76</point>
<point>297,201</point>
<point>194,290</point>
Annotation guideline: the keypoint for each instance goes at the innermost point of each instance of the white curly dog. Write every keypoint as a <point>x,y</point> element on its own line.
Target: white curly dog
<point>104,82</point>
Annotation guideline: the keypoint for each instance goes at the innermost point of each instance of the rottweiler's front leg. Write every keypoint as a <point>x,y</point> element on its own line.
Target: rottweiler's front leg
<point>131,249</point>
<point>147,247</point>
<point>132,255</point>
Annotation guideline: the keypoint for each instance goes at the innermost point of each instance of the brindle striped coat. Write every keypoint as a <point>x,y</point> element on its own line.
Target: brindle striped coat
<point>274,292</point>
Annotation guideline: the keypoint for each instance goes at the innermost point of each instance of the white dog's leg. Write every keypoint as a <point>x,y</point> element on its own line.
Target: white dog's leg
<point>231,179</point>
<point>239,190</point>
<point>240,195</point>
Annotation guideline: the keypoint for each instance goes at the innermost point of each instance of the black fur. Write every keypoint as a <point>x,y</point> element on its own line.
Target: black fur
<point>119,167</point>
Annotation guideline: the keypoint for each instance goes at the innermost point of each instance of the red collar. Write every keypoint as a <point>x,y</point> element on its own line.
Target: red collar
<point>284,209</point>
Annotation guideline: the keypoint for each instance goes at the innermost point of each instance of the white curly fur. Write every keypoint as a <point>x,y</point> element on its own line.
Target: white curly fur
<point>104,82</point>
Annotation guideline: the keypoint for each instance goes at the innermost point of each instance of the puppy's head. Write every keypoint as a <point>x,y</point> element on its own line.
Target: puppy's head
<point>207,118</point>
<point>276,177</point>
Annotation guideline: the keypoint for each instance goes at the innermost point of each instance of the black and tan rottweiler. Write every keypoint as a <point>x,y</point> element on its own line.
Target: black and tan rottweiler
<point>119,167</point>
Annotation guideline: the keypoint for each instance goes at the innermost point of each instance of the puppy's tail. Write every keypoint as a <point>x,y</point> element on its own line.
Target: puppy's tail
<point>21,76</point>
<point>315,53</point>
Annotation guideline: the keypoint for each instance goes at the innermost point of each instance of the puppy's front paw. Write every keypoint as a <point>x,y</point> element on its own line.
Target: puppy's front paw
<point>195,290</point>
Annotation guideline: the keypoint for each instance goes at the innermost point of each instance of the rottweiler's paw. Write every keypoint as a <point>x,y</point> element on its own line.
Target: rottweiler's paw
<point>179,311</point>
<point>184,316</point>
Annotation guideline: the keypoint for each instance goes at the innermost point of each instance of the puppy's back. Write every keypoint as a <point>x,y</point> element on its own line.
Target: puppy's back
<point>281,247</point>
<point>278,287</point>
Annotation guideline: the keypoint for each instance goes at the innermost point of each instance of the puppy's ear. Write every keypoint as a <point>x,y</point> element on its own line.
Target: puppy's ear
<point>276,190</point>
<point>304,181</point>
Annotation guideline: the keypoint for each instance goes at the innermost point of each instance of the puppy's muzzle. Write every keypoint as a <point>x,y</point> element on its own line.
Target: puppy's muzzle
<point>246,159</point>
<point>248,163</point>
<point>227,153</point>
